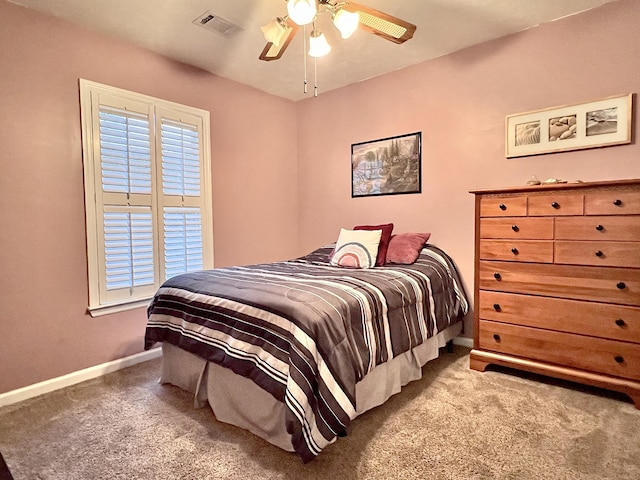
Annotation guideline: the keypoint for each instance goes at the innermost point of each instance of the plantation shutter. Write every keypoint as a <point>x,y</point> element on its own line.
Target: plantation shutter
<point>125,151</point>
<point>180,158</point>
<point>124,197</point>
<point>128,237</point>
<point>147,194</point>
<point>182,202</point>
<point>182,241</point>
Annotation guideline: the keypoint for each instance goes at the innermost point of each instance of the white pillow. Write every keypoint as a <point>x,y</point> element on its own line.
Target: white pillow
<point>356,248</point>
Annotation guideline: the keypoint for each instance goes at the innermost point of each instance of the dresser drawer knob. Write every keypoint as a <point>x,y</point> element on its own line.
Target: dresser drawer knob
<point>599,253</point>
<point>514,250</point>
<point>496,337</point>
<point>497,276</point>
<point>617,202</point>
<point>515,228</point>
<point>496,307</point>
<point>502,206</point>
<point>620,322</point>
<point>599,228</point>
<point>619,358</point>
<point>621,285</point>
<point>555,204</point>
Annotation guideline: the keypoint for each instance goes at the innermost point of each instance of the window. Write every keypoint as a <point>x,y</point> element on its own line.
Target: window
<point>147,194</point>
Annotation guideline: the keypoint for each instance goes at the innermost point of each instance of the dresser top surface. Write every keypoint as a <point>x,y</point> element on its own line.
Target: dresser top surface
<point>558,186</point>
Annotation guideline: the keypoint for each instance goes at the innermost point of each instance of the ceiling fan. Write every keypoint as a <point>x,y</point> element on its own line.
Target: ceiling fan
<point>347,16</point>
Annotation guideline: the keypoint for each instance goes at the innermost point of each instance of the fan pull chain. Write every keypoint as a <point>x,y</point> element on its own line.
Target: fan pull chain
<point>304,55</point>
<point>315,77</point>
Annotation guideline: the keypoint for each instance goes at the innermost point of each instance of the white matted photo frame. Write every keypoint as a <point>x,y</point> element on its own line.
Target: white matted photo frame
<point>600,123</point>
<point>388,166</point>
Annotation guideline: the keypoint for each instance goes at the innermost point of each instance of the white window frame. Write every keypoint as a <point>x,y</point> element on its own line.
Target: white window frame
<point>92,96</point>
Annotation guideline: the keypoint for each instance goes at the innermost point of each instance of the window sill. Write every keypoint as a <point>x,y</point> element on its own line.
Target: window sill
<point>100,310</point>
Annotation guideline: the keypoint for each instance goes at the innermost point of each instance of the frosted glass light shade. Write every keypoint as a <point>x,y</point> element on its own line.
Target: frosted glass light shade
<point>302,11</point>
<point>275,32</point>
<point>346,22</point>
<point>318,45</point>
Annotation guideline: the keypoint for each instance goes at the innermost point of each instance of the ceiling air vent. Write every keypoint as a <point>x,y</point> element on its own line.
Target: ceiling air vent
<point>216,23</point>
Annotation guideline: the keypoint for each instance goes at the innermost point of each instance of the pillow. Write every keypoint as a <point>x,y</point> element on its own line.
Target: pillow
<point>321,254</point>
<point>387,228</point>
<point>405,248</point>
<point>356,248</point>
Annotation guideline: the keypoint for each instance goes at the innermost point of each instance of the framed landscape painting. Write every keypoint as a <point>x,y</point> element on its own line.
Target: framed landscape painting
<point>388,166</point>
<point>588,125</point>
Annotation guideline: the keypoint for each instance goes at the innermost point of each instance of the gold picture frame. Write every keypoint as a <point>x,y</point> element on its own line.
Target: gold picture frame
<point>595,124</point>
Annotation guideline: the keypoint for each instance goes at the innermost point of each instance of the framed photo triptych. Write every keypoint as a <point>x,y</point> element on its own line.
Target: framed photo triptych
<point>573,127</point>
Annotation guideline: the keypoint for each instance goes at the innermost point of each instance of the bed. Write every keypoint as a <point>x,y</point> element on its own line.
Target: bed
<point>293,351</point>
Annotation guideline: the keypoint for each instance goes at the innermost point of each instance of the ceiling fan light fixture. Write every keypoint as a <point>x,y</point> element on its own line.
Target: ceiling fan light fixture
<point>347,16</point>
<point>275,31</point>
<point>318,45</point>
<point>302,11</point>
<point>346,22</point>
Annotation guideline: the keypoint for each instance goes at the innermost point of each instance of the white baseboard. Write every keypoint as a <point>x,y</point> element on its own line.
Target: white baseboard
<point>69,379</point>
<point>463,341</point>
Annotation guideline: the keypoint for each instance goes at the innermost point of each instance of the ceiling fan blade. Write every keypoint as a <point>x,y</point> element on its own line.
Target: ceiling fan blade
<point>272,51</point>
<point>382,24</point>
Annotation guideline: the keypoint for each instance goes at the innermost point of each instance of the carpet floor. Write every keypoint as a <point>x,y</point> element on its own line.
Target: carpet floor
<point>454,423</point>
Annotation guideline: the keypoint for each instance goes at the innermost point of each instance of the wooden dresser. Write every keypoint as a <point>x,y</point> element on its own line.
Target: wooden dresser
<point>557,282</point>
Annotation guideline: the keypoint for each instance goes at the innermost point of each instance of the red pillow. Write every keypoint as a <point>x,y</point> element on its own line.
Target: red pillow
<point>405,248</point>
<point>387,228</point>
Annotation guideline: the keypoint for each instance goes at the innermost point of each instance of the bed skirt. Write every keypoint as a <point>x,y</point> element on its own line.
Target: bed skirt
<point>238,401</point>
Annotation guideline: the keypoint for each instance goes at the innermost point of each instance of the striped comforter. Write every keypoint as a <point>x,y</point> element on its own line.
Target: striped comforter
<point>307,332</point>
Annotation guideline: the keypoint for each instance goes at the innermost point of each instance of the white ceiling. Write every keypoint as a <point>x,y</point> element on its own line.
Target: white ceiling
<point>166,27</point>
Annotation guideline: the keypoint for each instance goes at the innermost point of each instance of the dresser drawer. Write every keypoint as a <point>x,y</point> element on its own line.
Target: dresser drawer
<point>597,284</point>
<point>503,206</point>
<point>517,227</point>
<point>555,204</point>
<point>621,228</point>
<point>517,250</point>
<point>608,254</point>
<point>610,357</point>
<point>616,322</point>
<point>612,202</point>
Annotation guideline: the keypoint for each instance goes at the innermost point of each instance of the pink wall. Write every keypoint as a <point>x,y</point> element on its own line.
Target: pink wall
<point>44,329</point>
<point>459,102</point>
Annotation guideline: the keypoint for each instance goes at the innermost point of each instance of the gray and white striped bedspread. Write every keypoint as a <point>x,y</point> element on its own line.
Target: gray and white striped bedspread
<point>307,332</point>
